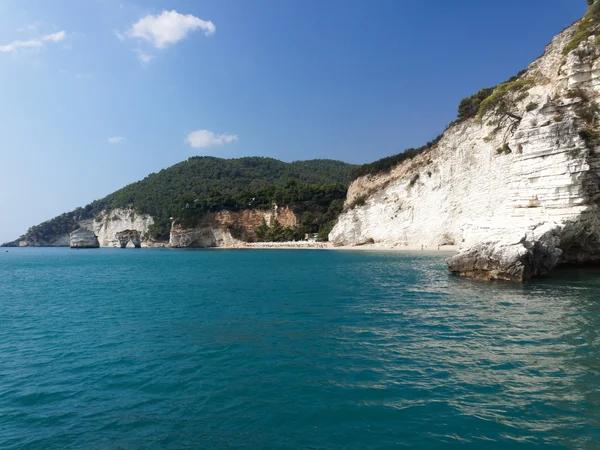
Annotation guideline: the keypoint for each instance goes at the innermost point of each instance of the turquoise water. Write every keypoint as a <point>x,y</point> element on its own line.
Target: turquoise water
<point>158,348</point>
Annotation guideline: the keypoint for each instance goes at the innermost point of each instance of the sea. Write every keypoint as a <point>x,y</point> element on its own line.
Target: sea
<point>291,349</point>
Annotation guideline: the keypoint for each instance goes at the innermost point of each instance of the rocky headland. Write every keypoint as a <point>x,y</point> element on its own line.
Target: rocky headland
<point>516,184</point>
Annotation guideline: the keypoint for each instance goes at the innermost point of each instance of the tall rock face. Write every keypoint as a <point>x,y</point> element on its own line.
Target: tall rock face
<point>83,238</point>
<point>226,228</point>
<point>108,224</point>
<point>519,195</point>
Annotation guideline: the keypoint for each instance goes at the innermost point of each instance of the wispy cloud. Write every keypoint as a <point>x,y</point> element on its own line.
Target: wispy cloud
<point>143,57</point>
<point>55,37</point>
<point>38,43</point>
<point>169,28</point>
<point>205,139</point>
<point>31,27</point>
<point>115,139</point>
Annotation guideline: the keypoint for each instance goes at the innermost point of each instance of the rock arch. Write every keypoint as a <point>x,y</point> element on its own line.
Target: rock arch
<point>127,236</point>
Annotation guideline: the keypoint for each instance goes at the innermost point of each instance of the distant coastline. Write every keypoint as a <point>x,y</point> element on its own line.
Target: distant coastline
<point>303,245</point>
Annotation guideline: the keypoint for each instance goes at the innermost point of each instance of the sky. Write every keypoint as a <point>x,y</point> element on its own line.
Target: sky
<point>97,94</point>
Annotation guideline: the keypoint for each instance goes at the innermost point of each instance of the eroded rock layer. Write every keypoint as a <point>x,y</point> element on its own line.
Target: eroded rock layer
<point>226,228</point>
<point>129,237</point>
<point>83,238</point>
<point>110,226</point>
<point>519,196</point>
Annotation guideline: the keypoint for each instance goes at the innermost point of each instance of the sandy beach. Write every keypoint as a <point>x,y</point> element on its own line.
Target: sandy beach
<point>304,245</point>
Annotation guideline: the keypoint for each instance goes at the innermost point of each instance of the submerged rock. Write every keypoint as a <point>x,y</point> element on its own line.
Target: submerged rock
<point>83,238</point>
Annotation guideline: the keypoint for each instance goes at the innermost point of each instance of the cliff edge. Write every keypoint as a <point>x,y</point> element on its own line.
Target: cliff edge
<point>516,185</point>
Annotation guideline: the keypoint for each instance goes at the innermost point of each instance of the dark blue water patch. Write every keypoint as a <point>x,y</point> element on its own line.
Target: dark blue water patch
<point>159,348</point>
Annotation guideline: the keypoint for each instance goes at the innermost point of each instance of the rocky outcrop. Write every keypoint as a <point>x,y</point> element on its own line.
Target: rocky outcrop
<point>228,228</point>
<point>83,238</point>
<point>54,239</point>
<point>519,198</point>
<point>205,235</point>
<point>14,243</point>
<point>108,224</point>
<point>129,236</point>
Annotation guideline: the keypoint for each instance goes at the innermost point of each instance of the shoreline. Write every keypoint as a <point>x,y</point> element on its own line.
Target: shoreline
<point>329,246</point>
<point>301,245</point>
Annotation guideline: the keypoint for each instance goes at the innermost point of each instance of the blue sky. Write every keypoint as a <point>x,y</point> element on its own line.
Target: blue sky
<point>97,94</point>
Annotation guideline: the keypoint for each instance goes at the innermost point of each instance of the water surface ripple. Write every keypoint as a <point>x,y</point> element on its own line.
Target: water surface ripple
<point>254,349</point>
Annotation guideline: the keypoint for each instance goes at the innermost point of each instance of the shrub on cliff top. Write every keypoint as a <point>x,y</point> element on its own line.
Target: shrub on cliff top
<point>501,100</point>
<point>469,106</point>
<point>385,165</point>
<point>589,25</point>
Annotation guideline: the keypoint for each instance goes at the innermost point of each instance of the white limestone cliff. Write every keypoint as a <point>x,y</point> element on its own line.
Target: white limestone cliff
<point>108,224</point>
<point>514,215</point>
<point>83,238</point>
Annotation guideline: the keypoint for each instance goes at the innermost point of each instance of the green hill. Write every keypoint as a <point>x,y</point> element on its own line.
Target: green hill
<point>215,183</point>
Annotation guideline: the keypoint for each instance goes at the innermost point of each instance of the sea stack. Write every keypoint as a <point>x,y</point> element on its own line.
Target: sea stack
<point>83,238</point>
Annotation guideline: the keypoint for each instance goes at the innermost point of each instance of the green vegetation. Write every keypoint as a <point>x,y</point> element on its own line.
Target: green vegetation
<point>502,102</point>
<point>500,99</point>
<point>217,183</point>
<point>387,164</point>
<point>469,106</point>
<point>505,149</point>
<point>532,106</point>
<point>590,137</point>
<point>318,206</point>
<point>589,25</point>
<point>578,93</point>
<point>587,111</point>
<point>60,225</point>
<point>413,180</point>
<point>277,233</point>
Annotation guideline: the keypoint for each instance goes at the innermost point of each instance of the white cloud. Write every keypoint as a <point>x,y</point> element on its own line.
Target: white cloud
<point>205,138</point>
<point>119,36</point>
<point>144,58</point>
<point>168,28</point>
<point>55,37</point>
<point>33,43</point>
<point>115,139</point>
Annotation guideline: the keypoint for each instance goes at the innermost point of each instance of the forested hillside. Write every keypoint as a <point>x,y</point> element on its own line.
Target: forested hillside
<point>215,183</point>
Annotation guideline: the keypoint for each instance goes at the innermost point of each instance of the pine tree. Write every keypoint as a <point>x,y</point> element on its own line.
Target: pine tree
<point>262,232</point>
<point>276,233</point>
